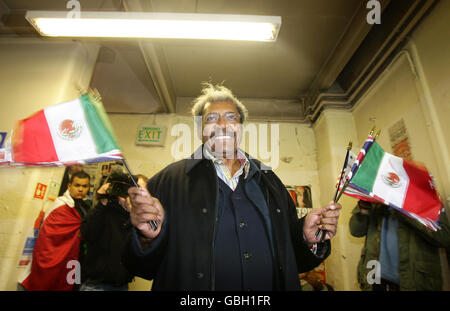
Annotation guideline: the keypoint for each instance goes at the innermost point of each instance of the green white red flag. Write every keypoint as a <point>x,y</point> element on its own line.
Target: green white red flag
<point>77,131</point>
<point>399,183</point>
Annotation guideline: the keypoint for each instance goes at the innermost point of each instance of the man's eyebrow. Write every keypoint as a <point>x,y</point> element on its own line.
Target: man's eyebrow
<point>224,112</point>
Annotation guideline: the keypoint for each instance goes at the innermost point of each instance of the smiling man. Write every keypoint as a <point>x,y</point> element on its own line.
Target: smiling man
<point>227,222</point>
<point>221,129</point>
<point>58,242</point>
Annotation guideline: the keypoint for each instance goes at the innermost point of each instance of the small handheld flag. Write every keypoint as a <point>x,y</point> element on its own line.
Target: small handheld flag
<point>377,176</point>
<point>398,183</point>
<point>74,132</point>
<point>359,160</point>
<point>69,133</point>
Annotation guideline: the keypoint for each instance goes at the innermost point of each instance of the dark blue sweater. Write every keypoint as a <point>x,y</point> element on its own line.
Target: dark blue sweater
<point>243,241</point>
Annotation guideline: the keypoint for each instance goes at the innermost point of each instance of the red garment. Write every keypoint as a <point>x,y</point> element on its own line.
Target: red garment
<point>58,243</point>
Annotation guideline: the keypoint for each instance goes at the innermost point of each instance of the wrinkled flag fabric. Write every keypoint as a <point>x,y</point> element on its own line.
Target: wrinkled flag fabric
<point>399,183</point>
<point>74,132</point>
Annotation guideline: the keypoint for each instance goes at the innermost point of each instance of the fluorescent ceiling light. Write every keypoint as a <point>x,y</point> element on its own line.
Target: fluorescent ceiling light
<point>156,25</point>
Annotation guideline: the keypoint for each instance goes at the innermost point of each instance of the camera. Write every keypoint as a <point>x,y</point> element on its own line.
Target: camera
<point>119,189</point>
<point>120,182</point>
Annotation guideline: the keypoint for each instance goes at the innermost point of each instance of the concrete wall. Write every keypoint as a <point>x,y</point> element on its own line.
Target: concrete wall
<point>429,49</point>
<point>333,130</point>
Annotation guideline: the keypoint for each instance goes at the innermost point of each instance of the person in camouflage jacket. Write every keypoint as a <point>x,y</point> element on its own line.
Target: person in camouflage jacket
<point>419,266</point>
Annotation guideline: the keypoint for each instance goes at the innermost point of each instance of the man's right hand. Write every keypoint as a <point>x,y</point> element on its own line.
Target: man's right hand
<point>145,208</point>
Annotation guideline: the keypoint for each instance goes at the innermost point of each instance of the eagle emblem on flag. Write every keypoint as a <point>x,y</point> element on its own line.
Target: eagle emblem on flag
<point>391,179</point>
<point>69,129</point>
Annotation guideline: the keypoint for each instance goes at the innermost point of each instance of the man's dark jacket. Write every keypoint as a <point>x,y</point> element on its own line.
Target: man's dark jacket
<point>105,231</point>
<point>184,256</point>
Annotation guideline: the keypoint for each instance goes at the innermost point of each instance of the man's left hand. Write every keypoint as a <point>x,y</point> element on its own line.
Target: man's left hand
<point>325,218</point>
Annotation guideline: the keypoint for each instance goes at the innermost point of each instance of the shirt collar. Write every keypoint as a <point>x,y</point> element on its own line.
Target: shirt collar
<point>240,155</point>
<point>200,154</point>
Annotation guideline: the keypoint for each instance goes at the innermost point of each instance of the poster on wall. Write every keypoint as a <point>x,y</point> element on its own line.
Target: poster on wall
<point>104,173</point>
<point>52,191</point>
<point>105,170</point>
<point>400,140</point>
<point>301,195</point>
<point>92,169</point>
<point>316,278</point>
<point>27,251</point>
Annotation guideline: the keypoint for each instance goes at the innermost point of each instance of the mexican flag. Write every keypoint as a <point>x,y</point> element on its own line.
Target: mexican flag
<point>399,183</point>
<point>77,131</point>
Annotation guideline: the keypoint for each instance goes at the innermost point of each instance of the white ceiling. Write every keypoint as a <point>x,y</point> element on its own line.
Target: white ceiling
<point>158,75</point>
<point>284,69</point>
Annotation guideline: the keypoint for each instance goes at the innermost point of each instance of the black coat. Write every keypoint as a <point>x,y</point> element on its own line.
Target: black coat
<point>105,231</point>
<point>184,259</point>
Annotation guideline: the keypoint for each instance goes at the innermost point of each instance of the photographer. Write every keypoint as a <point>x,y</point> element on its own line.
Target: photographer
<point>105,231</point>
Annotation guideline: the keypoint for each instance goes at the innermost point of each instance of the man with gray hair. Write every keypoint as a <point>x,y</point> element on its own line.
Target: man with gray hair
<point>225,139</point>
<point>227,222</point>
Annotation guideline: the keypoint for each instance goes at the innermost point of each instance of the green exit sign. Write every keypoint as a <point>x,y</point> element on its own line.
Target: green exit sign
<point>151,135</point>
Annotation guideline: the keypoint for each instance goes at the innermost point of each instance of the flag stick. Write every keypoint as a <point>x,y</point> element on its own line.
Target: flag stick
<point>152,222</point>
<point>321,232</point>
<point>129,172</point>
<point>342,191</point>
<point>349,146</point>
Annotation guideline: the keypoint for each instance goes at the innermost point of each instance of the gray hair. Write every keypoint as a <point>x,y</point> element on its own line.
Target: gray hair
<point>217,93</point>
